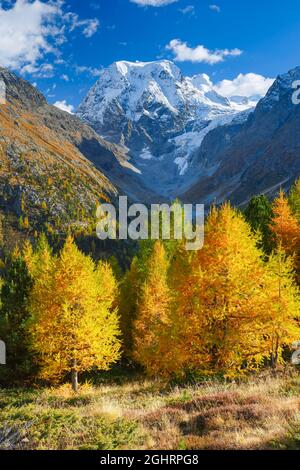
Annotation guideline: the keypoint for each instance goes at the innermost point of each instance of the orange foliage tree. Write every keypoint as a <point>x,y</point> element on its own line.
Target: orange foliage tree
<point>284,225</point>
<point>286,230</point>
<point>222,306</point>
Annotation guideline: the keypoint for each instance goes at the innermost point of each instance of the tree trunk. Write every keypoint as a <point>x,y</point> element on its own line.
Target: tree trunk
<point>276,351</point>
<point>74,376</point>
<point>274,356</point>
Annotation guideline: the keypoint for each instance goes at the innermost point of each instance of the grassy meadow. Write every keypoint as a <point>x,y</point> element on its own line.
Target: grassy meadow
<point>262,412</point>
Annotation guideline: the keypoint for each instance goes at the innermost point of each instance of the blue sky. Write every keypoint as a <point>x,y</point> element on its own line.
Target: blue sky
<point>62,45</point>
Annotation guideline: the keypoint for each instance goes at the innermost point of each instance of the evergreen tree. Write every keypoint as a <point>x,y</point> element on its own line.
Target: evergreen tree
<point>259,215</point>
<point>128,304</point>
<point>15,290</point>
<point>294,200</point>
<point>115,265</point>
<point>1,231</point>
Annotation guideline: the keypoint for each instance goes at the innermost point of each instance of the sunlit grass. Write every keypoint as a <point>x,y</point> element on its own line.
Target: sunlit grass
<point>261,413</point>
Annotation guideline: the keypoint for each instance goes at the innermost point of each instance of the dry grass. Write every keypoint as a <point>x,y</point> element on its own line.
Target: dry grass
<point>263,413</point>
<point>259,414</point>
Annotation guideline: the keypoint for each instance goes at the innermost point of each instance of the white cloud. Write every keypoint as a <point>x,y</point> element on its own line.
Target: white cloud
<point>88,27</point>
<point>39,70</point>
<point>215,8</point>
<point>24,29</point>
<point>184,53</point>
<point>94,72</point>
<point>153,3</point>
<point>188,10</point>
<point>31,29</point>
<point>69,108</point>
<point>248,85</point>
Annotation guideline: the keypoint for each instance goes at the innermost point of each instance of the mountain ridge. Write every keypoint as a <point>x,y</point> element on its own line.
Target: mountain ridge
<point>53,166</point>
<point>258,156</point>
<point>187,141</point>
<point>44,177</point>
<point>158,116</point>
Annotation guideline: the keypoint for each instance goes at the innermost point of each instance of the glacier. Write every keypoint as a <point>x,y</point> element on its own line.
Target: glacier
<point>160,118</point>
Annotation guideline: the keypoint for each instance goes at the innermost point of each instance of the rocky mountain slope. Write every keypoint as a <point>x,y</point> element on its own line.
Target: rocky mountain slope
<point>194,144</point>
<point>239,160</point>
<point>46,181</point>
<point>159,117</point>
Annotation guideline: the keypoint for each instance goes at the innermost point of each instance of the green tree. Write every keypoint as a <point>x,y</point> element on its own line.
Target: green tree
<point>128,304</point>
<point>14,314</point>
<point>294,200</point>
<point>259,215</point>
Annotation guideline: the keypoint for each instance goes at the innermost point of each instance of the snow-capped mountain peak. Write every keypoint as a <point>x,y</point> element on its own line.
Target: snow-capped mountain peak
<point>158,114</point>
<point>146,69</point>
<point>135,87</point>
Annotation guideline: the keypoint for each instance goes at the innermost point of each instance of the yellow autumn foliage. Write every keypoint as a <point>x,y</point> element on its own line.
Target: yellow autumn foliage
<point>74,326</point>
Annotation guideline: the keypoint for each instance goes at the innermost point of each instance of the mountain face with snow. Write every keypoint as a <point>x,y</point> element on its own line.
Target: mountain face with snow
<point>259,155</point>
<point>160,118</point>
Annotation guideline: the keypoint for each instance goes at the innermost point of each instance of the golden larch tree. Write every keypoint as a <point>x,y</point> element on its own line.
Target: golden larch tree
<point>183,281</point>
<point>73,327</point>
<point>152,322</point>
<point>286,230</point>
<point>225,295</point>
<point>40,259</point>
<point>284,225</point>
<point>282,306</point>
